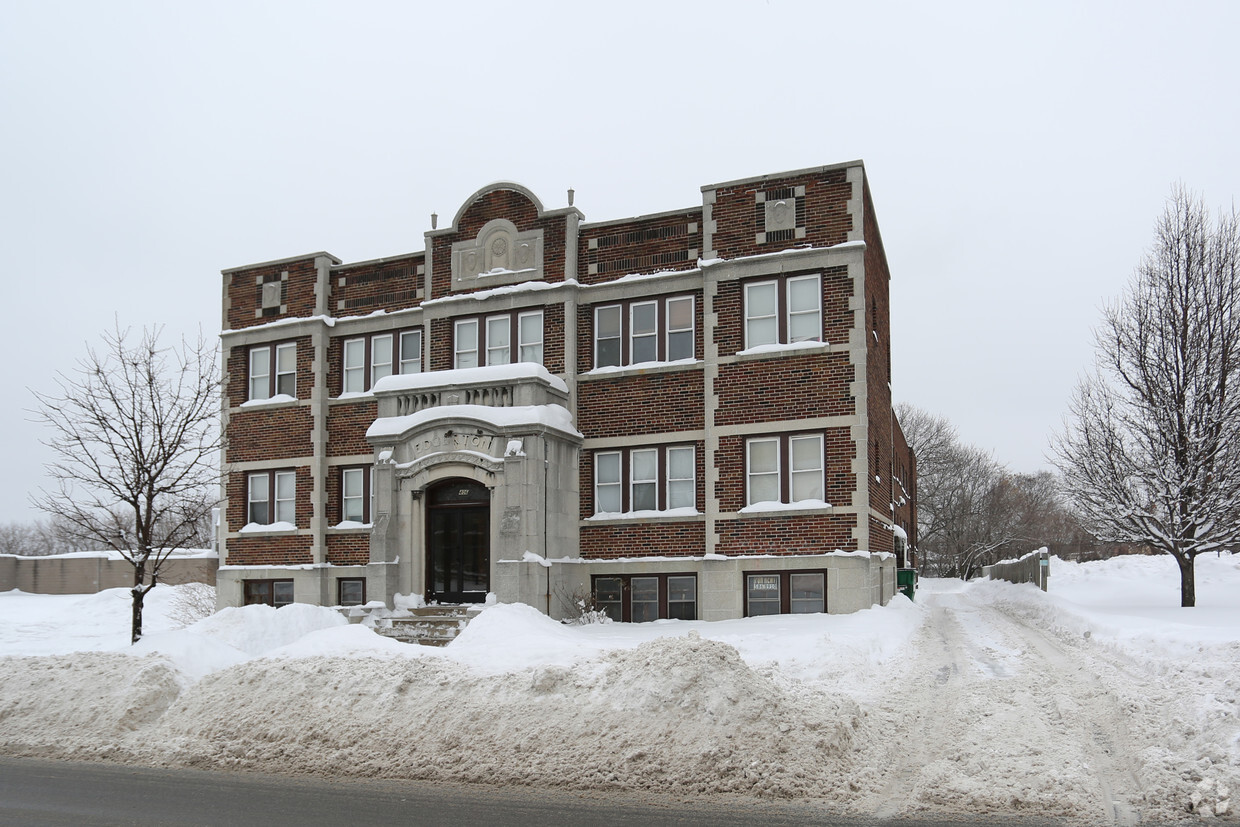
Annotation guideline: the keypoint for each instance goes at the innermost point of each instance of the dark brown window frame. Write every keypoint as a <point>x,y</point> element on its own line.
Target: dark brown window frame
<point>785,461</point>
<point>626,324</point>
<point>626,606</point>
<point>270,473</point>
<point>368,354</point>
<point>367,490</point>
<point>781,306</point>
<point>626,477</point>
<point>514,333</point>
<point>340,581</point>
<point>270,583</point>
<point>273,359</point>
<point>785,588</point>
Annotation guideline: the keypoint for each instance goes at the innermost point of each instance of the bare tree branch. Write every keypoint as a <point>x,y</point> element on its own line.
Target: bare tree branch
<point>135,439</point>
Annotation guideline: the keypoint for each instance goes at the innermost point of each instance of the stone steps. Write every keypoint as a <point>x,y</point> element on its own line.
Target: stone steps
<point>430,625</point>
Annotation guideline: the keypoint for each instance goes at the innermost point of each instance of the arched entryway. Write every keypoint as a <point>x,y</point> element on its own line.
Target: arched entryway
<point>458,542</point>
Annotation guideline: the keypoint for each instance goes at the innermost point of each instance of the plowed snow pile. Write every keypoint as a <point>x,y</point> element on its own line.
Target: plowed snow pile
<point>1100,702</point>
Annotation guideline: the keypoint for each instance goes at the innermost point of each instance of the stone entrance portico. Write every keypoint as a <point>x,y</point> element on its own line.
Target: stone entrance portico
<point>506,429</point>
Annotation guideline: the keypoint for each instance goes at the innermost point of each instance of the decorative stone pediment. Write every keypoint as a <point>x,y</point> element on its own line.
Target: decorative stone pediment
<point>498,255</point>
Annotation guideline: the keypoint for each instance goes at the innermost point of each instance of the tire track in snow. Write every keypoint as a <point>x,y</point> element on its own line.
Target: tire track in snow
<point>992,716</point>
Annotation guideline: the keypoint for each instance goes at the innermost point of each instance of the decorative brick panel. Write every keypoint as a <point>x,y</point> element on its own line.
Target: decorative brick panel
<point>649,403</point>
<point>652,245</point>
<point>346,427</point>
<point>824,211</point>
<point>390,284</point>
<point>660,539</point>
<point>264,433</point>
<point>783,533</point>
<point>785,387</point>
<point>277,550</point>
<point>245,293</point>
<point>507,204</point>
<point>348,549</point>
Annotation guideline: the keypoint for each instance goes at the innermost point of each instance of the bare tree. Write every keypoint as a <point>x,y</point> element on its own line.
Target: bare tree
<point>955,492</point>
<point>136,438</point>
<point>1150,453</point>
<point>972,511</point>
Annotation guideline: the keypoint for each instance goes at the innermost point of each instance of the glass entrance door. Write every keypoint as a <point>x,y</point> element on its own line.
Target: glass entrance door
<point>458,542</point>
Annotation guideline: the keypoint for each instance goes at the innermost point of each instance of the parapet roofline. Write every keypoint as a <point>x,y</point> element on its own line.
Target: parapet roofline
<point>774,176</point>
<point>289,260</point>
<point>697,209</point>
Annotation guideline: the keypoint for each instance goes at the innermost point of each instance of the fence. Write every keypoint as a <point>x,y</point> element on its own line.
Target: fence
<point>1034,567</point>
<point>90,572</point>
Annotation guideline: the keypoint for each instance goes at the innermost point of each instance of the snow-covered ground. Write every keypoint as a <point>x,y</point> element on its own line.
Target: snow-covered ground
<point>1099,702</point>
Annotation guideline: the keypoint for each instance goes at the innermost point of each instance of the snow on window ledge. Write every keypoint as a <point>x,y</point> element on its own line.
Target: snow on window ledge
<point>645,515</point>
<point>354,524</point>
<point>278,399</point>
<point>266,528</point>
<point>638,367</point>
<point>356,395</point>
<point>800,505</point>
<point>780,347</point>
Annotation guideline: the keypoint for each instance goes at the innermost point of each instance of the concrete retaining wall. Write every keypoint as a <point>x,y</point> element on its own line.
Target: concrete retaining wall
<point>1033,568</point>
<point>89,573</point>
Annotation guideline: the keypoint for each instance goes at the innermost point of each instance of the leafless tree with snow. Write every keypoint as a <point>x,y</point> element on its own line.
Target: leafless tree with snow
<point>971,510</point>
<point>135,433</point>
<point>1150,453</point>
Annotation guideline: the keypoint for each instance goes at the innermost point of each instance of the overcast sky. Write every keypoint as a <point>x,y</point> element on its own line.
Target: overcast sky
<point>1018,157</point>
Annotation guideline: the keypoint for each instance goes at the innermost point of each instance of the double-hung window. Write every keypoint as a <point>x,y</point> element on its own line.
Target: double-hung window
<point>356,494</point>
<point>783,310</point>
<point>645,479</point>
<point>784,469</point>
<point>271,497</point>
<point>633,333</point>
<point>367,359</point>
<point>643,598</point>
<point>490,339</point>
<point>273,370</point>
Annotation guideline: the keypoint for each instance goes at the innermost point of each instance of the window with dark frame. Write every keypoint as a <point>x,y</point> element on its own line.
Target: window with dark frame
<point>787,468</point>
<point>271,497</point>
<point>491,339</point>
<point>275,593</point>
<point>367,359</point>
<point>641,598</point>
<point>356,494</point>
<point>783,310</point>
<point>785,592</point>
<point>645,479</point>
<point>350,591</point>
<point>642,331</point>
<point>273,371</point>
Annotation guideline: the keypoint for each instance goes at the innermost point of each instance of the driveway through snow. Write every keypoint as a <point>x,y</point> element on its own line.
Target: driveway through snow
<point>993,715</point>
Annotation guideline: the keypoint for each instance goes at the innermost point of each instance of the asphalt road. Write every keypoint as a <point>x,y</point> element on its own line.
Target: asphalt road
<point>37,793</point>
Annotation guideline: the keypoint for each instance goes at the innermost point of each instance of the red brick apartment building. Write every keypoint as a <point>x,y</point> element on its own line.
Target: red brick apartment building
<point>686,414</point>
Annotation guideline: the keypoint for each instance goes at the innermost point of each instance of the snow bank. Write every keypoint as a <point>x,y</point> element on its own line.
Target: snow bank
<point>980,698</point>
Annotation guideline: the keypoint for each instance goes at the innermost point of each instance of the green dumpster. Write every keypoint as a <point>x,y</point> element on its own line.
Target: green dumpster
<point>906,581</point>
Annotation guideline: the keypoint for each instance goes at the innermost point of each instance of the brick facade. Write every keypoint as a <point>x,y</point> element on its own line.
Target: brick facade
<point>505,253</point>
